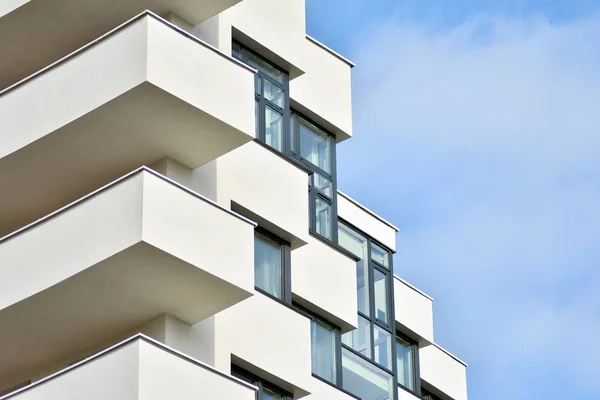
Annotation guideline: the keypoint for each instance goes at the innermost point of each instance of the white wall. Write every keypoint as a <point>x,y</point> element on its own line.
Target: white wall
<point>272,190</point>
<point>443,371</point>
<point>163,375</point>
<point>414,310</point>
<point>367,221</point>
<point>114,376</point>
<point>138,370</point>
<point>320,85</point>
<point>271,339</point>
<point>324,280</point>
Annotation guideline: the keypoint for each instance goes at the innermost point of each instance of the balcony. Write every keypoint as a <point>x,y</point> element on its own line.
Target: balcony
<point>138,248</point>
<point>315,267</point>
<point>137,368</point>
<point>414,311</point>
<point>444,374</point>
<point>266,188</point>
<point>36,33</point>
<point>140,93</point>
<point>367,221</point>
<point>266,338</point>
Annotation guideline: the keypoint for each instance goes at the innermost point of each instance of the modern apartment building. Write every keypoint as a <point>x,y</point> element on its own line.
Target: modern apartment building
<point>170,221</point>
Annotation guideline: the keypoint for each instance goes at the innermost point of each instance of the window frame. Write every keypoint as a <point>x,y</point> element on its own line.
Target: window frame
<point>255,380</point>
<point>388,326</point>
<point>291,132</point>
<point>313,192</point>
<point>415,364</point>
<point>244,56</point>
<point>286,272</point>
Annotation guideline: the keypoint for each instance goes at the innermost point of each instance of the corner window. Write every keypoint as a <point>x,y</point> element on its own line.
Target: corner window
<point>266,391</point>
<point>272,98</point>
<point>323,350</point>
<point>406,353</point>
<point>369,351</point>
<point>271,265</point>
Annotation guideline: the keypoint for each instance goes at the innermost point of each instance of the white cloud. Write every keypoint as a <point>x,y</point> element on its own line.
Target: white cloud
<point>491,144</point>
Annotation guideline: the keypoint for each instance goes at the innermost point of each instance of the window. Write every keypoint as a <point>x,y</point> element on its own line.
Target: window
<point>406,356</point>
<point>295,137</point>
<point>323,345</point>
<point>364,379</point>
<point>314,145</point>
<point>428,395</point>
<point>358,245</point>
<point>271,265</point>
<point>368,351</point>
<point>314,148</point>
<point>381,288</point>
<point>272,98</point>
<point>360,338</point>
<point>373,337</point>
<point>266,391</point>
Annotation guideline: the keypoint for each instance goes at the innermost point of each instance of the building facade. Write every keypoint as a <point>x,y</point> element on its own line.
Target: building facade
<point>170,221</point>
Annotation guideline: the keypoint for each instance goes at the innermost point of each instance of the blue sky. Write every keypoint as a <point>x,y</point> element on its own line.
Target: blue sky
<point>477,131</point>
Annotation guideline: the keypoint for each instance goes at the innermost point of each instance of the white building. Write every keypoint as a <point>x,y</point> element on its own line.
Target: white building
<point>170,222</point>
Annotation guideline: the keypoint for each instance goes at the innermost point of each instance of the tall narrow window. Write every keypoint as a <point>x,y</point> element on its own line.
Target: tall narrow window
<point>323,347</point>
<point>271,269</point>
<point>381,285</point>
<point>374,338</point>
<point>314,148</point>
<point>405,363</point>
<point>358,245</point>
<point>272,98</point>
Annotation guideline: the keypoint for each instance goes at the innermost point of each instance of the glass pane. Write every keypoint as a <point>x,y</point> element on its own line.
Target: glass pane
<point>273,94</point>
<point>360,338</point>
<point>314,146</point>
<point>323,351</point>
<point>404,359</point>
<point>236,51</point>
<point>380,255</point>
<point>357,244</point>
<point>256,113</point>
<point>323,184</point>
<point>274,129</point>
<point>365,380</point>
<point>264,67</point>
<point>323,216</point>
<point>267,265</point>
<point>383,347</point>
<point>381,296</point>
<point>271,395</point>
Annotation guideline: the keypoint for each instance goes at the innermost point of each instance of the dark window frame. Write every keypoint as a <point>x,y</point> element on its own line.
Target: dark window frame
<point>388,326</point>
<point>257,381</point>
<point>263,103</point>
<point>290,132</point>
<point>313,192</point>
<point>415,364</point>
<point>338,340</point>
<point>286,270</point>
